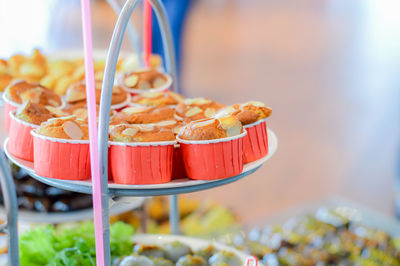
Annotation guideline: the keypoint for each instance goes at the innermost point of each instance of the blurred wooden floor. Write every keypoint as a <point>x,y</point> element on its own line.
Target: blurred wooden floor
<point>328,68</point>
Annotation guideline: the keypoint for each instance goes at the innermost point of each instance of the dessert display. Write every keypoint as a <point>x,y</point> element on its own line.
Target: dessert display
<point>76,94</point>
<point>141,154</point>
<point>27,117</point>
<point>253,117</point>
<point>61,149</point>
<point>197,108</point>
<point>157,99</point>
<point>212,148</point>
<point>137,82</point>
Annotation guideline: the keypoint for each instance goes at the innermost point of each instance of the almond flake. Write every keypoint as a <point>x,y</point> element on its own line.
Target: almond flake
<point>134,110</point>
<point>53,102</point>
<point>55,111</point>
<point>177,117</point>
<point>197,101</point>
<point>176,96</point>
<point>72,130</point>
<point>193,111</point>
<point>152,94</point>
<point>146,128</point>
<point>130,131</point>
<point>158,82</point>
<point>254,103</point>
<point>81,113</point>
<point>209,112</point>
<point>234,130</point>
<point>227,111</point>
<point>131,81</point>
<point>166,123</point>
<point>227,122</point>
<point>203,123</point>
<point>144,85</point>
<point>75,96</point>
<point>116,90</point>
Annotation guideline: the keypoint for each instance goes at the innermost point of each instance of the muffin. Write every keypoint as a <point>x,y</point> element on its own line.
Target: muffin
<point>143,115</point>
<point>5,80</point>
<point>253,116</point>
<point>22,121</point>
<point>212,148</point>
<point>141,154</point>
<point>76,94</point>
<point>197,108</point>
<point>61,149</point>
<point>138,82</point>
<point>157,98</point>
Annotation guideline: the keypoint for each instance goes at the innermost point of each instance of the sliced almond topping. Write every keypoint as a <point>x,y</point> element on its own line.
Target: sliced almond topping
<point>75,95</point>
<point>32,95</point>
<point>81,113</point>
<point>53,102</point>
<point>146,128</point>
<point>55,111</point>
<point>203,123</point>
<point>193,111</point>
<point>131,81</point>
<point>209,112</point>
<point>99,75</point>
<point>176,96</point>
<point>255,103</point>
<point>144,85</point>
<point>177,117</point>
<point>72,130</point>
<point>197,101</point>
<point>158,82</point>
<point>116,90</point>
<point>134,110</point>
<point>227,122</point>
<point>234,130</point>
<point>166,123</point>
<point>227,111</point>
<point>130,131</point>
<point>176,130</point>
<point>152,94</point>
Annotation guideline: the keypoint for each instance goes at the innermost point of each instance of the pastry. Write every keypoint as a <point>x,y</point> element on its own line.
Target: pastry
<point>140,133</point>
<point>197,108</point>
<point>143,115</point>
<point>64,128</point>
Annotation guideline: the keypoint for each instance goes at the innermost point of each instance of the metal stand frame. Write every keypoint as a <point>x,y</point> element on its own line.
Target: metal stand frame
<point>10,202</point>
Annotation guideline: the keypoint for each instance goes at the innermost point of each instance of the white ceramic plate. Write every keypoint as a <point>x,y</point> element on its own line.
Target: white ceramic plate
<point>272,146</point>
<point>193,243</point>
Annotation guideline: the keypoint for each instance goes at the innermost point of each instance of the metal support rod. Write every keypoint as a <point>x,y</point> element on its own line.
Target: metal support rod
<point>131,31</point>
<point>108,82</point>
<point>174,215</point>
<point>10,202</point>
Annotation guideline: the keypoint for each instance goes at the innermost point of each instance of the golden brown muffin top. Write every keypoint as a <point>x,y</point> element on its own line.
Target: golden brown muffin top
<point>65,128</point>
<point>76,93</point>
<point>5,80</point>
<point>14,90</point>
<point>211,128</point>
<point>139,133</point>
<point>158,98</point>
<point>144,80</point>
<point>33,113</point>
<point>247,113</point>
<point>143,115</point>
<point>197,108</point>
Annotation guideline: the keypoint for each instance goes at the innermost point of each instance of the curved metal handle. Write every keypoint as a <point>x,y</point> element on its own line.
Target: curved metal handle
<point>106,93</point>
<point>10,202</point>
<point>131,31</point>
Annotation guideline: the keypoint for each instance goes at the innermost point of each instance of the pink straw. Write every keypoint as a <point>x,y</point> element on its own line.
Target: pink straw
<point>94,154</point>
<point>147,32</point>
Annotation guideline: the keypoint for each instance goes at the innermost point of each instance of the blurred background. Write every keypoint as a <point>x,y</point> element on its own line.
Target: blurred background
<point>329,69</point>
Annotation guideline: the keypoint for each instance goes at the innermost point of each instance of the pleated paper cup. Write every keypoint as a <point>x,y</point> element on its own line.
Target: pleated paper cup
<point>61,158</point>
<point>20,142</point>
<point>134,92</point>
<point>141,163</point>
<point>8,107</point>
<point>255,144</point>
<point>213,159</point>
<point>178,167</point>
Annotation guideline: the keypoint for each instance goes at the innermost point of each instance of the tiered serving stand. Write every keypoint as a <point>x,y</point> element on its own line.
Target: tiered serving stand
<point>110,190</point>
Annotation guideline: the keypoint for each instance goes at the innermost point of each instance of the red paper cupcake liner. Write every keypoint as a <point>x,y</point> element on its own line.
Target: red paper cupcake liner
<point>20,142</point>
<point>8,107</point>
<point>61,158</point>
<point>141,163</point>
<point>213,159</point>
<point>178,168</point>
<point>255,144</point>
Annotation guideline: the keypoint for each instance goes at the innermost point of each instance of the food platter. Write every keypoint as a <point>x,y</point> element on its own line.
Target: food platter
<point>193,243</point>
<point>74,216</point>
<point>174,187</point>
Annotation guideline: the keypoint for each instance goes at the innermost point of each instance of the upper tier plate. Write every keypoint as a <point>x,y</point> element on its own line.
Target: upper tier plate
<point>173,187</point>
